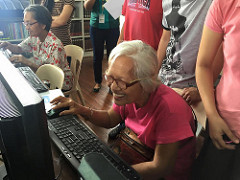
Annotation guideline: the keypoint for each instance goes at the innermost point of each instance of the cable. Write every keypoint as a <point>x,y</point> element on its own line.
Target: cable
<point>59,163</point>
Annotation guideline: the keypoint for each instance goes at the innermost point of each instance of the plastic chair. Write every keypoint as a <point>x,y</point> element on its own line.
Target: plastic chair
<point>76,54</point>
<point>51,73</point>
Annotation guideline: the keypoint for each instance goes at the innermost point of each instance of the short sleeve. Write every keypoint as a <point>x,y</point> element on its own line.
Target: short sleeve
<point>214,17</point>
<point>69,2</point>
<point>164,22</point>
<point>26,45</point>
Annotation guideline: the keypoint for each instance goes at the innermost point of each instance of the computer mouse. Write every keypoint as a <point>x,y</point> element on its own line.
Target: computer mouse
<point>54,113</point>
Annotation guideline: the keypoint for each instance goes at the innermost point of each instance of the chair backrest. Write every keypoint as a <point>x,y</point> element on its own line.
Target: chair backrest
<point>51,73</point>
<point>76,54</point>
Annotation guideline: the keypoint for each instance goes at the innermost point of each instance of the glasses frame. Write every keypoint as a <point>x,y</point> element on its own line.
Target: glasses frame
<point>29,24</point>
<point>127,85</point>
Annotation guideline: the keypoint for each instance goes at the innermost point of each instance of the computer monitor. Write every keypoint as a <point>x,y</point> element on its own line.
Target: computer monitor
<point>24,137</point>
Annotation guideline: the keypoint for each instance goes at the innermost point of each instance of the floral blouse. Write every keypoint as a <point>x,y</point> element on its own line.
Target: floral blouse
<point>51,51</point>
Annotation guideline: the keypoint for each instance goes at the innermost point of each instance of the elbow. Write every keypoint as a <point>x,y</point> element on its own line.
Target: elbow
<point>87,7</point>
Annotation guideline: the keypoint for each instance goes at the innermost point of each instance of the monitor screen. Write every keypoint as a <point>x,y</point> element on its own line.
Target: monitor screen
<point>24,138</point>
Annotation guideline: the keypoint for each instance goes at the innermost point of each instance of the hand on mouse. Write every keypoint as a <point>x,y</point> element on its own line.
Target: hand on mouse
<point>61,102</point>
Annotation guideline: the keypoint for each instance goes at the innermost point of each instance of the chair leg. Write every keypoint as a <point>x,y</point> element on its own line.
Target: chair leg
<point>79,91</point>
<point>81,96</point>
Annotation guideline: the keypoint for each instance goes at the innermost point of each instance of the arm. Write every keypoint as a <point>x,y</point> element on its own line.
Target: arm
<point>209,46</point>
<point>88,4</point>
<point>162,47</point>
<point>103,118</point>
<point>191,94</point>
<point>163,162</point>
<point>63,18</point>
<point>21,59</point>
<point>218,63</point>
<point>12,47</point>
<point>121,36</point>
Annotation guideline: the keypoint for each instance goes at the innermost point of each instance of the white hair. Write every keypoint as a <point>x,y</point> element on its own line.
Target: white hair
<point>145,62</point>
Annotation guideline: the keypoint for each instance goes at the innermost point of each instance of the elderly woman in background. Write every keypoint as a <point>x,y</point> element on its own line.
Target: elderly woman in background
<point>42,43</point>
<point>158,116</point>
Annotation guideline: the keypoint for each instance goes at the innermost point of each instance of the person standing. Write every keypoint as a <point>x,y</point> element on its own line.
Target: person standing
<point>177,51</point>
<point>103,28</point>
<point>220,153</point>
<point>62,12</point>
<point>142,22</point>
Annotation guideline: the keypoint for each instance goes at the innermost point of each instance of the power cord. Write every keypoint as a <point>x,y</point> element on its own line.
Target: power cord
<point>60,164</point>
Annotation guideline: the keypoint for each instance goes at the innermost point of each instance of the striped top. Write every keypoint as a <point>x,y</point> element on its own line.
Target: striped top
<point>62,32</point>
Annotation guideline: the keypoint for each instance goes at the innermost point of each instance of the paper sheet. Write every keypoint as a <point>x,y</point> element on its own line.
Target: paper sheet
<point>114,7</point>
<point>50,95</point>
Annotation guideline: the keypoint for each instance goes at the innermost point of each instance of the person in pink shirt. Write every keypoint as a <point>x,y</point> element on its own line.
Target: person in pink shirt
<point>159,117</point>
<point>222,106</point>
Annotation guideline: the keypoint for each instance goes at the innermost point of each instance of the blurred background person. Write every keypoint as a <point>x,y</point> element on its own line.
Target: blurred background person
<point>62,12</point>
<point>103,29</point>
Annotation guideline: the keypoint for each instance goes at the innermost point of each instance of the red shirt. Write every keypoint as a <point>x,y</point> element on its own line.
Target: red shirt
<point>143,21</point>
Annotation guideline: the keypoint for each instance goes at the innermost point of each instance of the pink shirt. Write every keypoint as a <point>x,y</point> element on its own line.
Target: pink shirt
<point>51,51</point>
<point>166,118</point>
<point>143,21</point>
<point>223,17</point>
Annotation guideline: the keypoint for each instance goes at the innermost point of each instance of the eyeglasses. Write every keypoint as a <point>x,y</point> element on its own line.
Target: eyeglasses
<point>29,24</point>
<point>121,84</point>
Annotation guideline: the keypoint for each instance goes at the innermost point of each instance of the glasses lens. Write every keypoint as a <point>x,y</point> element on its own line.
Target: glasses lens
<point>121,84</point>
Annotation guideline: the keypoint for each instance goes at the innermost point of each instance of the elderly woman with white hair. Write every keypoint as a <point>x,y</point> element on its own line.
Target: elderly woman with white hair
<point>160,118</point>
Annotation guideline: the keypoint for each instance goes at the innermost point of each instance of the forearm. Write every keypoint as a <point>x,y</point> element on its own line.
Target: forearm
<point>100,118</point>
<point>161,52</point>
<point>30,62</point>
<point>88,4</point>
<point>121,36</point>
<point>148,171</point>
<point>204,78</point>
<point>208,57</point>
<point>63,18</point>
<point>57,22</point>
<point>15,49</point>
<point>163,162</point>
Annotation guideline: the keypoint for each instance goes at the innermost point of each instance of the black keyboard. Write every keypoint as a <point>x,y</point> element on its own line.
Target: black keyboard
<point>32,78</point>
<point>74,139</point>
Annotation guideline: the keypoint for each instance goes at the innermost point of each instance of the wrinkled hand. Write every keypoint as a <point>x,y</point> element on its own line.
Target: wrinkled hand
<point>217,128</point>
<point>60,102</point>
<point>191,95</point>
<point>18,59</point>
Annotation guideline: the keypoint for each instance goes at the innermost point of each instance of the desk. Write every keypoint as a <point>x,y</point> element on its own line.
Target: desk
<point>68,172</point>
